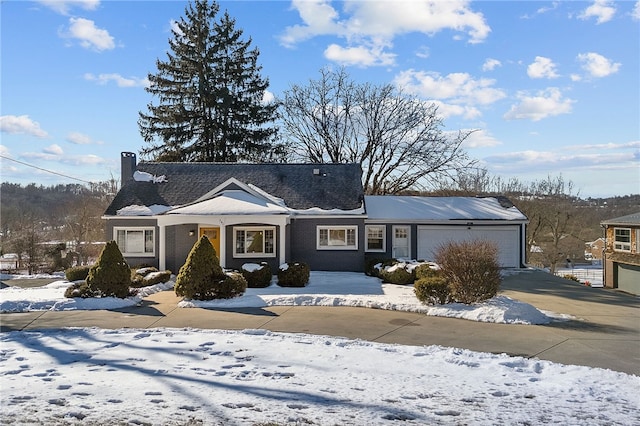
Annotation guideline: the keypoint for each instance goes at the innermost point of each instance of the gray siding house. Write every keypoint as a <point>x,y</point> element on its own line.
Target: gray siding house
<point>276,213</point>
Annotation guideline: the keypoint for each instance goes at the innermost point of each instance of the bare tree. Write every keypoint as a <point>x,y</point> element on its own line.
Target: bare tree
<point>397,139</point>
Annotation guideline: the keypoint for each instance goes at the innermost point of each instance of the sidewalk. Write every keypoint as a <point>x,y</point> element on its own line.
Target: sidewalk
<point>605,333</point>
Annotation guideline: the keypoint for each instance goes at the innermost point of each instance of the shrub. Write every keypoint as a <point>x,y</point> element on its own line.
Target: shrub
<point>257,276</point>
<point>372,267</point>
<point>399,273</point>
<point>427,269</point>
<point>471,268</point>
<point>571,277</point>
<point>232,285</point>
<point>77,273</point>
<point>110,276</point>
<point>293,274</point>
<point>79,289</point>
<point>201,277</point>
<point>432,289</point>
<point>144,277</point>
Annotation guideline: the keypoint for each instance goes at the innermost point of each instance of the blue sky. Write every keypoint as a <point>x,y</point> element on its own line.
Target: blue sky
<point>551,87</point>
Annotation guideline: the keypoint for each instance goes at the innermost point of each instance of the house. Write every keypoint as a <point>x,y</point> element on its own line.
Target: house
<point>593,250</point>
<point>622,253</point>
<point>275,213</point>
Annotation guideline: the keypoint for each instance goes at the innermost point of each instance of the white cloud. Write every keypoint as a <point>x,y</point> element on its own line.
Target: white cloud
<point>4,150</point>
<point>360,56</point>
<point>490,64</point>
<point>597,65</point>
<point>90,36</point>
<point>542,68</point>
<point>545,104</point>
<point>635,13</point>
<point>458,88</point>
<point>368,27</point>
<point>77,138</point>
<point>83,160</point>
<point>118,79</point>
<point>446,110</point>
<point>64,6</point>
<point>602,10</point>
<point>481,139</point>
<point>21,124</point>
<point>54,149</point>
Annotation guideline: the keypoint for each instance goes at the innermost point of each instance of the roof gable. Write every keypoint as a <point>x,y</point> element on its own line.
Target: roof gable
<point>298,186</point>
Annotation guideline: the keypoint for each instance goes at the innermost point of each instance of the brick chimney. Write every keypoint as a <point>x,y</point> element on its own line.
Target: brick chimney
<point>127,167</point>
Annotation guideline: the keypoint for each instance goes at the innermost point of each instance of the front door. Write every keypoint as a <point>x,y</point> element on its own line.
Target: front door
<point>213,234</point>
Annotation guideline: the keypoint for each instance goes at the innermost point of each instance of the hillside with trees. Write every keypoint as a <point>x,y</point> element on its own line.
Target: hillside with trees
<point>53,227</point>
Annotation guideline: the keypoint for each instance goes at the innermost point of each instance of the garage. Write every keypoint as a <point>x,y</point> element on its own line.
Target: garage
<point>507,237</point>
<point>628,277</point>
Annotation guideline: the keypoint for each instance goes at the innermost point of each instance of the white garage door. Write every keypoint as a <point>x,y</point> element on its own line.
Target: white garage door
<point>430,238</point>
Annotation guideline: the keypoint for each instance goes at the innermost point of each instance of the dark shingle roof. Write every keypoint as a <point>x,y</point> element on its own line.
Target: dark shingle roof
<point>630,219</point>
<point>337,186</point>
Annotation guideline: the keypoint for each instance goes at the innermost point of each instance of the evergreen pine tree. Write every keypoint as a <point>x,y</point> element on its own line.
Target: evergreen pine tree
<point>210,95</point>
<point>111,275</point>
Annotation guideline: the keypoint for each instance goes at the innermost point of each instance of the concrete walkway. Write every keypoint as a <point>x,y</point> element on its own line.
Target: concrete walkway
<point>605,333</point>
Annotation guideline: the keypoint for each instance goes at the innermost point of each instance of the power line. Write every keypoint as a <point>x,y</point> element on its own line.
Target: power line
<point>44,170</point>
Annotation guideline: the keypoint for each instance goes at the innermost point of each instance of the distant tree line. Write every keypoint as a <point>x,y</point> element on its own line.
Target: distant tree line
<point>37,223</point>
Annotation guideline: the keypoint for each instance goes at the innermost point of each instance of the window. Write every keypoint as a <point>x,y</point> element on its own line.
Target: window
<point>622,239</point>
<point>135,241</point>
<point>254,242</point>
<point>337,238</point>
<point>400,242</point>
<point>376,238</point>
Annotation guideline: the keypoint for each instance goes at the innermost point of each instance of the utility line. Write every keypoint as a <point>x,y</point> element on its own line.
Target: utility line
<point>45,170</point>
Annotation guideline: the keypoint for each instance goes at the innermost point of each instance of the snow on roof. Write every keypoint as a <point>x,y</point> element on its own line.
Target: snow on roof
<point>231,202</point>
<point>412,208</point>
<point>136,210</point>
<point>139,176</point>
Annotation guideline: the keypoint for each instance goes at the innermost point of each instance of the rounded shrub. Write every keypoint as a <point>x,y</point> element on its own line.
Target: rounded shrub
<point>432,289</point>
<point>257,275</point>
<point>427,269</point>
<point>110,276</point>
<point>77,273</point>
<point>293,274</point>
<point>201,275</point>
<point>471,269</point>
<point>79,289</point>
<point>373,267</point>
<point>144,277</point>
<point>399,273</point>
<point>232,285</point>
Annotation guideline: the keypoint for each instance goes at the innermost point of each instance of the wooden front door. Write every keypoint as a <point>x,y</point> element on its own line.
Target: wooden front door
<point>213,234</point>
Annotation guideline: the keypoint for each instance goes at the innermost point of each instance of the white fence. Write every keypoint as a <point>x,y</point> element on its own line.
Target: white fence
<point>593,275</point>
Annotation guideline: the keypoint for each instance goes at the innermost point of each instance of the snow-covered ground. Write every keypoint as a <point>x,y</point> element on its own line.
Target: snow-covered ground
<point>211,377</point>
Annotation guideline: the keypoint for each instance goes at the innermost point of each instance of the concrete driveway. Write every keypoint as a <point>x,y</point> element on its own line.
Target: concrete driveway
<point>605,332</point>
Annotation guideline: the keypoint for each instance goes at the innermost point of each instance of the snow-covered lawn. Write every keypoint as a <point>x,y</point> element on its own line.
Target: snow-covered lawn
<point>324,289</point>
<point>191,376</point>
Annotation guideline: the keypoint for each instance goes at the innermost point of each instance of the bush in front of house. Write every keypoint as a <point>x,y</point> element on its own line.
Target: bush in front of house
<point>77,273</point>
<point>79,289</point>
<point>432,289</point>
<point>257,275</point>
<point>232,285</point>
<point>202,278</point>
<point>471,268</point>
<point>372,267</point>
<point>144,277</point>
<point>399,273</point>
<point>293,274</point>
<point>110,276</point>
<point>427,269</point>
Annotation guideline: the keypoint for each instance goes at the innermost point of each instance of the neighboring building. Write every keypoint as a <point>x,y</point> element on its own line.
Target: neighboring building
<point>275,213</point>
<point>593,250</point>
<point>622,253</point>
